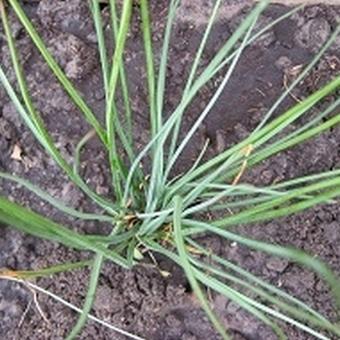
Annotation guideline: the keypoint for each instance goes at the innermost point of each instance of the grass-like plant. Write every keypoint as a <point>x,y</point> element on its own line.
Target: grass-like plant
<point>161,211</point>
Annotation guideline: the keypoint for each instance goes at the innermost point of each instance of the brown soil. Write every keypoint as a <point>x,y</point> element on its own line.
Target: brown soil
<point>141,300</point>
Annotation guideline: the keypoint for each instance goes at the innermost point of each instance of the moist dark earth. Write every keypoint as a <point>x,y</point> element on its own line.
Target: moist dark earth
<point>141,300</point>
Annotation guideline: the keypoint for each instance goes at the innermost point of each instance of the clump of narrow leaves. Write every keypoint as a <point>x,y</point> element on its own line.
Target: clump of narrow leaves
<point>161,211</point>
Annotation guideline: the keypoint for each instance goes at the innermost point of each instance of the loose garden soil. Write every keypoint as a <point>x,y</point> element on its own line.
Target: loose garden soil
<point>141,300</point>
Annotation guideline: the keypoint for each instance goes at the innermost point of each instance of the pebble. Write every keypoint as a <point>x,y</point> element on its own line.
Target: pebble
<point>313,34</point>
<point>277,264</point>
<point>332,231</point>
<point>283,63</point>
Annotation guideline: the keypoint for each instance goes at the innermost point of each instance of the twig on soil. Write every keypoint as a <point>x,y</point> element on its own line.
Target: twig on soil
<point>25,313</point>
<point>15,276</point>
<point>36,302</point>
<point>36,288</point>
<point>247,151</point>
<point>294,71</point>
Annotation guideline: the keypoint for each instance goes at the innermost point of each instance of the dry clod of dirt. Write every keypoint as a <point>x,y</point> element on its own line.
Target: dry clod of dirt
<point>142,300</point>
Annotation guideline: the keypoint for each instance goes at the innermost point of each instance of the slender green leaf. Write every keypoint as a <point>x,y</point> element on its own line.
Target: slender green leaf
<point>66,83</point>
<point>188,270</point>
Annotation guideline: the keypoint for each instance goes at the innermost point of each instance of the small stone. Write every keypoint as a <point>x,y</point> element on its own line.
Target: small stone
<point>16,153</point>
<point>233,307</point>
<point>332,232</point>
<point>266,176</point>
<point>71,195</point>
<point>268,37</point>
<point>9,113</point>
<point>220,141</point>
<point>313,34</point>
<point>103,301</point>
<point>102,190</point>
<point>335,47</point>
<point>173,321</point>
<point>75,18</point>
<point>277,265</point>
<point>220,303</point>
<point>189,336</point>
<point>312,12</point>
<point>283,63</point>
<point>73,54</point>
